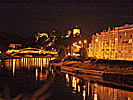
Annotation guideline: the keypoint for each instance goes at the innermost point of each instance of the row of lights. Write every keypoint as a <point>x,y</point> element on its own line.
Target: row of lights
<point>97,39</point>
<point>80,42</point>
<point>76,45</point>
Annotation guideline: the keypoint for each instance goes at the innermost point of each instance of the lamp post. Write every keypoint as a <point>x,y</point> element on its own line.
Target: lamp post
<point>83,44</point>
<point>80,45</point>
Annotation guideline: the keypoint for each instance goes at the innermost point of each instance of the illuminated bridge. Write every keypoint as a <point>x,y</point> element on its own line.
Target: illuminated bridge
<point>30,51</point>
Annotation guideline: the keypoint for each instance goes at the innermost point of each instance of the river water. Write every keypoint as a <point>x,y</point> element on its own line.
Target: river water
<point>33,79</point>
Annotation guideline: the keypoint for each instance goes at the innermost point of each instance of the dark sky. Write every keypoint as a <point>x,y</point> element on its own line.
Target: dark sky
<point>27,18</point>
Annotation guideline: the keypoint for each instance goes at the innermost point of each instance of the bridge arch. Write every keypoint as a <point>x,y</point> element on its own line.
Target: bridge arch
<point>34,50</point>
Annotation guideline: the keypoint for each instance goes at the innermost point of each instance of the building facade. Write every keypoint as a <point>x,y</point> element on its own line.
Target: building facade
<point>116,44</point>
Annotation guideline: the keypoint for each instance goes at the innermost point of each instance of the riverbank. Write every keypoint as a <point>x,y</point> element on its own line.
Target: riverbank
<point>116,72</point>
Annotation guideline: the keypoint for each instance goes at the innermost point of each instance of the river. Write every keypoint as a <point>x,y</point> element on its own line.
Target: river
<point>33,79</point>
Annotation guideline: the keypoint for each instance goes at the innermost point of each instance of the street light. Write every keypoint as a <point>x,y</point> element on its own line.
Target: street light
<point>80,42</point>
<point>96,40</point>
<point>116,39</point>
<point>85,41</point>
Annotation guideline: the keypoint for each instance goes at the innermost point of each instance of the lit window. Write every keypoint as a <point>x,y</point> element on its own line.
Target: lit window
<point>125,33</point>
<point>130,41</point>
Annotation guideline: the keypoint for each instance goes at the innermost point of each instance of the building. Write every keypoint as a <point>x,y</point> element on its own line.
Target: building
<point>116,44</point>
<point>75,32</point>
<point>15,46</point>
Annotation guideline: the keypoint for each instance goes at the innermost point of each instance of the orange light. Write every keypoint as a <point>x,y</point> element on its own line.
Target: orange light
<point>74,83</point>
<point>84,94</point>
<point>14,61</point>
<point>78,88</point>
<point>85,41</point>
<point>36,73</point>
<point>96,40</point>
<point>88,88</point>
<point>80,42</point>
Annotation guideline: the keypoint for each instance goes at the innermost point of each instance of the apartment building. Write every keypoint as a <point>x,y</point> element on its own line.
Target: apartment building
<point>115,44</point>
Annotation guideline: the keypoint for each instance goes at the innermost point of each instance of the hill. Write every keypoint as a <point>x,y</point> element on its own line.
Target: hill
<point>7,38</point>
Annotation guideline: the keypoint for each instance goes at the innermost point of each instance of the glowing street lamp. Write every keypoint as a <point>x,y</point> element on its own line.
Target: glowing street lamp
<point>96,40</point>
<point>80,42</point>
<point>85,41</point>
<point>116,39</point>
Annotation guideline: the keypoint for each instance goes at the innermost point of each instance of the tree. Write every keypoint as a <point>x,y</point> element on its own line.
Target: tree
<point>83,54</point>
<point>56,33</point>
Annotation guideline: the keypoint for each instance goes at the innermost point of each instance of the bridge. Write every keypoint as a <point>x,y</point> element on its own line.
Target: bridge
<point>30,51</point>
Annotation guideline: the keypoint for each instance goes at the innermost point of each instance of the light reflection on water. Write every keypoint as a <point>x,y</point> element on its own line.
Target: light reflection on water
<point>24,70</point>
<point>14,64</point>
<point>94,91</point>
<point>29,63</point>
<point>86,89</point>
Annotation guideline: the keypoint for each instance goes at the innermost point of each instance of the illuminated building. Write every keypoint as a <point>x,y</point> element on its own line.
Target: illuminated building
<point>76,31</point>
<point>68,33</point>
<point>14,45</point>
<point>116,44</point>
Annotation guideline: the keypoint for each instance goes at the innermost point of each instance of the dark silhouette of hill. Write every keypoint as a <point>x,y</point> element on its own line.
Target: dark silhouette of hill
<point>29,42</point>
<point>7,38</point>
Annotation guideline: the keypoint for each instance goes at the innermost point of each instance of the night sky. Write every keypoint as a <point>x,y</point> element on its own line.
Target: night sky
<point>27,18</point>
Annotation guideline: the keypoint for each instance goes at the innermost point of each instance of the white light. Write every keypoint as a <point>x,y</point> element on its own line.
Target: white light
<point>116,39</point>
<point>67,36</point>
<point>66,76</point>
<point>96,40</point>
<point>79,46</point>
<point>77,54</point>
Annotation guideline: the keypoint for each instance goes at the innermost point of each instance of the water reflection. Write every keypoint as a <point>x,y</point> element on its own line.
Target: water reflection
<point>84,94</point>
<point>74,82</point>
<point>94,91</point>
<point>28,63</point>
<point>41,75</point>
<point>14,61</point>
<point>27,72</point>
<point>18,75</point>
